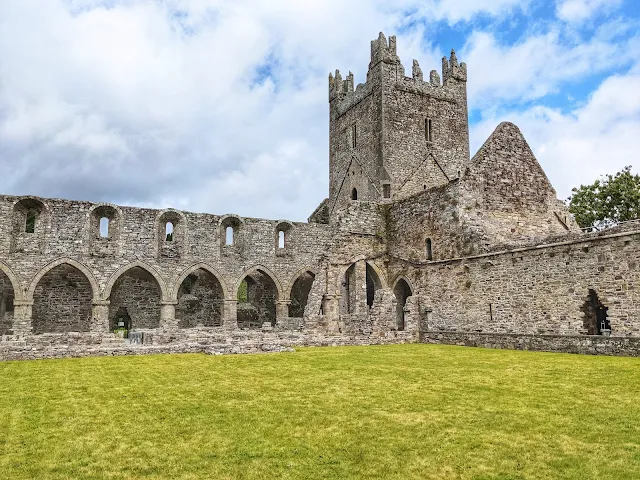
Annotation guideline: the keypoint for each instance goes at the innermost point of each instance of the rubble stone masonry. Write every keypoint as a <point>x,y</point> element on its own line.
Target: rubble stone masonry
<point>417,241</point>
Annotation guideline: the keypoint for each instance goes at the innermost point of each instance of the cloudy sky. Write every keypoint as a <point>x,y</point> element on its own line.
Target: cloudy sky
<point>221,105</point>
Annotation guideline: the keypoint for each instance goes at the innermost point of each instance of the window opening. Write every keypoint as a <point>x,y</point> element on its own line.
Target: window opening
<point>386,190</point>
<point>30,226</point>
<point>428,132</point>
<point>354,138</point>
<point>229,235</point>
<point>281,239</point>
<point>429,249</point>
<point>596,320</point>
<point>104,227</point>
<point>354,194</point>
<point>168,230</point>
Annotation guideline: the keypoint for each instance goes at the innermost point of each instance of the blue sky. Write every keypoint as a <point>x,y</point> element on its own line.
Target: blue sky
<point>221,106</point>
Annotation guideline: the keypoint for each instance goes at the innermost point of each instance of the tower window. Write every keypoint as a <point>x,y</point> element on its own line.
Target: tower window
<point>386,190</point>
<point>354,136</point>
<point>104,227</point>
<point>229,235</point>
<point>281,239</point>
<point>429,249</point>
<point>30,226</point>
<point>428,131</point>
<point>354,194</point>
<point>168,230</point>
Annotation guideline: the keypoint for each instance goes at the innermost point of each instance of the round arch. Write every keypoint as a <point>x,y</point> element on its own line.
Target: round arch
<point>269,273</point>
<point>193,268</point>
<point>64,261</point>
<point>18,293</point>
<point>122,270</point>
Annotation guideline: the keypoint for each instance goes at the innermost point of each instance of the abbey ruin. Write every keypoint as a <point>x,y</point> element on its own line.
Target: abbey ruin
<point>416,242</point>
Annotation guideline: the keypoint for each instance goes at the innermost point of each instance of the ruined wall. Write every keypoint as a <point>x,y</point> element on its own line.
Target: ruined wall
<point>537,290</point>
<point>136,295</point>
<point>505,194</point>
<point>7,307</point>
<point>200,301</point>
<point>62,302</point>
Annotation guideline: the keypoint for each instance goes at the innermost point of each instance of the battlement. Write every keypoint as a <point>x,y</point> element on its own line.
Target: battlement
<point>344,94</point>
<point>451,69</point>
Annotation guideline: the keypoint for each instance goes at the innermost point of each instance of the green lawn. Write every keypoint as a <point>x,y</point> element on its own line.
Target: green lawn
<point>409,411</point>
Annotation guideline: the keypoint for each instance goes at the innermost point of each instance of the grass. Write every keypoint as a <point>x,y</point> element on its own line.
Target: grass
<point>392,412</point>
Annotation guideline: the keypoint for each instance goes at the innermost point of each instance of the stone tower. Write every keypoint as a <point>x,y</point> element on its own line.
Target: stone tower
<point>395,136</point>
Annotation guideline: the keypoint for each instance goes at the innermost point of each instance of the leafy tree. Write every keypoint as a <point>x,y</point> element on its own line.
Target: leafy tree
<point>608,201</point>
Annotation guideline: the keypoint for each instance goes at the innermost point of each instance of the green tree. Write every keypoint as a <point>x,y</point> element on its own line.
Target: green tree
<point>607,201</point>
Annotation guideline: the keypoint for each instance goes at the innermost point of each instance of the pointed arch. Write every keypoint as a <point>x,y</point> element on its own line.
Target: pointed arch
<point>402,277</point>
<point>193,268</point>
<point>64,261</point>
<point>15,282</point>
<point>298,289</point>
<point>268,272</point>
<point>145,266</point>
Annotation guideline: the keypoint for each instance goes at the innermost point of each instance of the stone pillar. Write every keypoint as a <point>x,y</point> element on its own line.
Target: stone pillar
<point>282,311</point>
<point>331,306</point>
<point>100,317</point>
<point>22,311</point>
<point>230,314</point>
<point>361,287</point>
<point>412,315</point>
<point>168,320</point>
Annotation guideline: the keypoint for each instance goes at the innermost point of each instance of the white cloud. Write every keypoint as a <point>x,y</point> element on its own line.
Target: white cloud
<point>220,105</point>
<point>575,148</point>
<point>580,10</point>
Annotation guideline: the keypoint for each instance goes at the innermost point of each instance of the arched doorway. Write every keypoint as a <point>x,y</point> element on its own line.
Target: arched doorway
<point>135,300</point>
<point>257,296</point>
<point>402,291</point>
<point>373,284</point>
<point>62,301</point>
<point>200,300</point>
<point>7,296</point>
<point>300,294</point>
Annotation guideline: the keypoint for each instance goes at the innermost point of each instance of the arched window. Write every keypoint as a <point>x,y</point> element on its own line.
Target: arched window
<point>104,227</point>
<point>429,249</point>
<point>281,239</point>
<point>229,235</point>
<point>168,231</point>
<point>30,225</point>
<point>354,194</point>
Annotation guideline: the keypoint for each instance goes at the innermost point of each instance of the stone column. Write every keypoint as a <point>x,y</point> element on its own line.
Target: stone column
<point>230,314</point>
<point>22,311</point>
<point>361,287</point>
<point>282,311</point>
<point>168,320</point>
<point>100,317</point>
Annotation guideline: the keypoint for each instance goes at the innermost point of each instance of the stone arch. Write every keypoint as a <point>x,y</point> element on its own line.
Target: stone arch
<point>402,290</point>
<point>354,260</point>
<point>15,282</point>
<point>270,274</point>
<point>286,228</point>
<point>84,269</point>
<point>34,212</point>
<point>135,294</point>
<point>106,293</point>
<point>200,294</point>
<point>63,294</point>
<point>9,293</point>
<point>173,247</point>
<point>173,296</point>
<point>258,298</point>
<point>300,297</point>
<point>349,291</point>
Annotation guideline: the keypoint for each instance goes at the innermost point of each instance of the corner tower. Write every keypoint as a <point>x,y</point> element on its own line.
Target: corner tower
<point>394,135</point>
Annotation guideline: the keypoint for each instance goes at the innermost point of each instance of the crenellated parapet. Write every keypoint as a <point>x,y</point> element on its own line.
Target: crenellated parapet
<point>343,94</point>
<point>452,70</point>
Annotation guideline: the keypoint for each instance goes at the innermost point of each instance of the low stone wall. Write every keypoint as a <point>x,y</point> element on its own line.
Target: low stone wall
<point>214,341</point>
<point>583,344</point>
